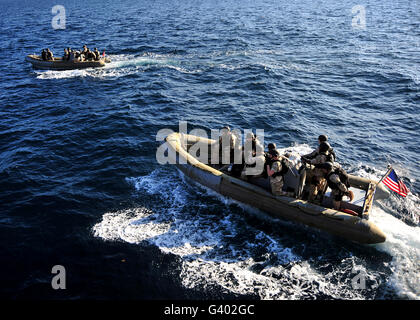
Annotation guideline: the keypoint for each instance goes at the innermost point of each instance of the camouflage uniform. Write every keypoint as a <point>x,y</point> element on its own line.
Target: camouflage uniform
<point>277,182</point>
<point>316,177</point>
<point>337,193</point>
<point>312,155</point>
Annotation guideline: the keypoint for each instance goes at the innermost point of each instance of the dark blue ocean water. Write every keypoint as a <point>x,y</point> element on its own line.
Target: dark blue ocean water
<point>79,181</point>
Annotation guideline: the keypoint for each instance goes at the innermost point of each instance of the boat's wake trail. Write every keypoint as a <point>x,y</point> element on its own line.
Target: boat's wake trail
<point>65,74</point>
<point>398,218</point>
<point>220,249</point>
<point>217,247</point>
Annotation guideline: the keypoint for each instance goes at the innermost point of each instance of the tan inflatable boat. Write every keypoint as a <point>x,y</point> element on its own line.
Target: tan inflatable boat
<point>59,64</point>
<point>255,193</point>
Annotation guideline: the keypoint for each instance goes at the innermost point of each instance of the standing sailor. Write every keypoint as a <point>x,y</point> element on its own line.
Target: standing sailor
<point>322,138</point>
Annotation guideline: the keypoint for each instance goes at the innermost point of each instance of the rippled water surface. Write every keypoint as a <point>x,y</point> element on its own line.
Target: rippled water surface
<point>79,181</point>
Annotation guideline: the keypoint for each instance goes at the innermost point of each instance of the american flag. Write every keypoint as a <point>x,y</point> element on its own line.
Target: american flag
<point>395,184</point>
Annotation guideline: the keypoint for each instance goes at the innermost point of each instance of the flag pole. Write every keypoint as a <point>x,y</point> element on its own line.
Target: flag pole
<point>386,174</point>
<point>370,194</point>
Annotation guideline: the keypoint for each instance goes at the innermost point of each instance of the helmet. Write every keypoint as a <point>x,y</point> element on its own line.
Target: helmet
<point>327,165</point>
<point>324,147</point>
<point>274,153</point>
<point>323,138</point>
<point>271,146</point>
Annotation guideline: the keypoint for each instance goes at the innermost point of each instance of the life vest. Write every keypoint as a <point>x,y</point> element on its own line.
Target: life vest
<point>342,174</point>
<point>284,168</point>
<point>328,156</point>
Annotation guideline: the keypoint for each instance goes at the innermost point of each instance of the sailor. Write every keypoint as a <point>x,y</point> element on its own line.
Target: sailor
<point>271,146</point>
<point>276,171</point>
<point>268,157</point>
<point>338,181</point>
<point>66,54</point>
<point>69,51</point>
<point>50,55</point>
<point>315,176</point>
<point>322,138</point>
<point>83,53</point>
<point>72,55</point>
<point>256,150</point>
<point>92,55</point>
<point>88,55</point>
<point>227,145</point>
<point>44,54</point>
<point>77,56</point>
<point>97,54</point>
<point>253,153</point>
<point>256,147</point>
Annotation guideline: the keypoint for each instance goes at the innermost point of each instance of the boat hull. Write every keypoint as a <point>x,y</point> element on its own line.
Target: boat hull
<point>59,64</point>
<point>335,222</point>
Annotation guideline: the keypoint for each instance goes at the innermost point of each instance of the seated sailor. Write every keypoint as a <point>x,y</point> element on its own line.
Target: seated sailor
<point>69,51</point>
<point>77,56</point>
<point>97,54</point>
<point>91,55</point>
<point>227,145</point>
<point>268,157</point>
<point>65,55</point>
<point>276,171</point>
<point>83,54</point>
<point>44,55</point>
<point>228,152</point>
<point>253,153</point>
<point>72,55</point>
<point>271,146</point>
<point>315,176</point>
<point>50,55</point>
<point>338,181</point>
